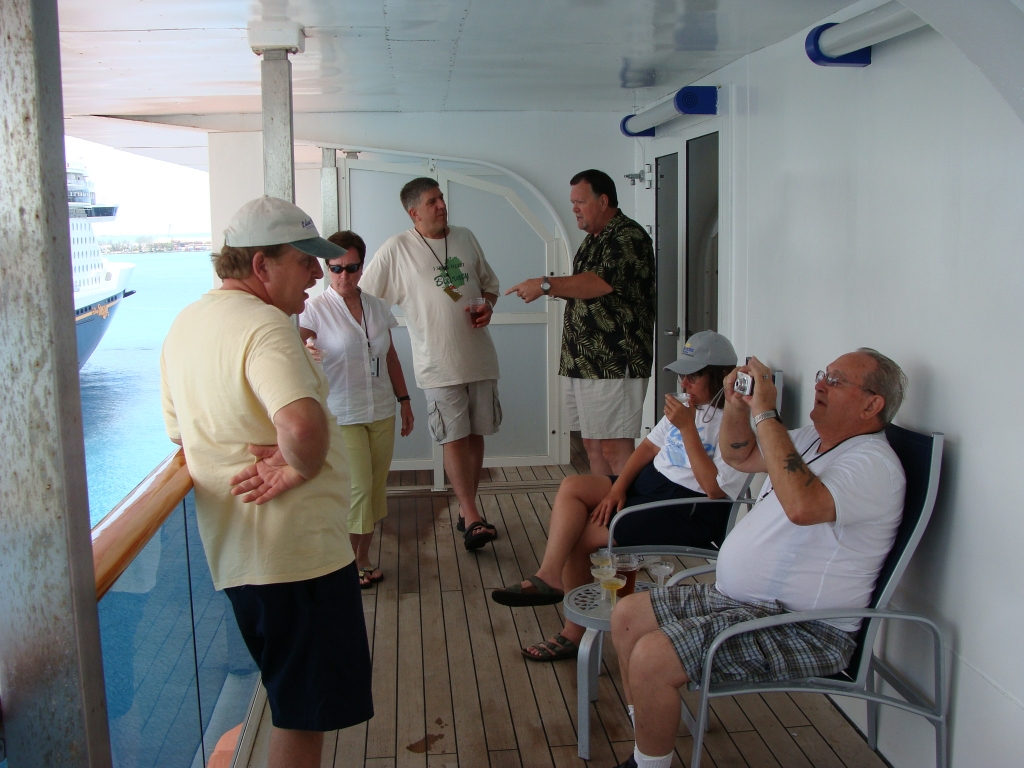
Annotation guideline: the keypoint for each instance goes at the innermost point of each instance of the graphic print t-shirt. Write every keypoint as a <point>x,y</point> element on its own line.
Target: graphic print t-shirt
<point>673,462</point>
<point>414,273</point>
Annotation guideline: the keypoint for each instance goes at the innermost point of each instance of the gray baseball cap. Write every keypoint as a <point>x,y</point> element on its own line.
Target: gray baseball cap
<point>270,221</point>
<point>703,349</point>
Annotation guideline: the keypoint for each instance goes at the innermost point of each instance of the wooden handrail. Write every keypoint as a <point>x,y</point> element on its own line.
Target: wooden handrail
<point>118,538</point>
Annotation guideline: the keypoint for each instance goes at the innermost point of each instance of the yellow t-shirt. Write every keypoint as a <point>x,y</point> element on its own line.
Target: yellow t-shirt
<point>229,363</point>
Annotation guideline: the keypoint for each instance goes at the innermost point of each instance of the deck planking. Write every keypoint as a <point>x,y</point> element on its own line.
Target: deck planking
<point>451,689</point>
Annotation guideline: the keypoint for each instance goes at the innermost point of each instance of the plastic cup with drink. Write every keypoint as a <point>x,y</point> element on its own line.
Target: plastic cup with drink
<point>602,573</point>
<point>477,307</point>
<point>660,571</point>
<point>682,397</point>
<point>601,557</point>
<point>612,584</point>
<point>626,567</point>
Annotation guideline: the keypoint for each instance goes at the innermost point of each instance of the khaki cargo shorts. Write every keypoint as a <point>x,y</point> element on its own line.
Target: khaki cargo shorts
<point>461,410</point>
<point>604,409</point>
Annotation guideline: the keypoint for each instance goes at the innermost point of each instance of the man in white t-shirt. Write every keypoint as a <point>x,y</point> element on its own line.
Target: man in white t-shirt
<point>434,272</point>
<point>816,539</point>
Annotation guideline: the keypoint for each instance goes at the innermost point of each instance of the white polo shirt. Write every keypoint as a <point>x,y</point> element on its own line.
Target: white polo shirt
<point>361,390</point>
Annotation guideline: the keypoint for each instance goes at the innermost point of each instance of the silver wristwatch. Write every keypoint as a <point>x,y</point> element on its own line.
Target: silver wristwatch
<point>772,414</point>
<point>545,286</point>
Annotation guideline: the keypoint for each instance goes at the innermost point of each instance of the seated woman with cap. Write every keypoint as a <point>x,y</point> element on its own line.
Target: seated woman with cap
<point>679,459</point>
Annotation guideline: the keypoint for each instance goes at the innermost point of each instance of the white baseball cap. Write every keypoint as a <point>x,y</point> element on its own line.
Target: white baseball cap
<point>271,221</point>
<point>701,350</point>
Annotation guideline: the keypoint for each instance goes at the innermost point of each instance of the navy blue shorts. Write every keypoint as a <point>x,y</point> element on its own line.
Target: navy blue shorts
<point>693,525</point>
<point>309,640</point>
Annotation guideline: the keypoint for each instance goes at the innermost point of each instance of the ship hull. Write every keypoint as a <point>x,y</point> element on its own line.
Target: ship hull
<point>92,323</point>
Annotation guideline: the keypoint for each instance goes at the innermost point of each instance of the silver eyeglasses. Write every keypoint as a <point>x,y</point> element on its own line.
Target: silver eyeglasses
<point>833,380</point>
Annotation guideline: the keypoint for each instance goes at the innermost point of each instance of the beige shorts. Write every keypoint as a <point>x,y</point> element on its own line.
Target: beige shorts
<point>605,409</point>
<point>461,410</point>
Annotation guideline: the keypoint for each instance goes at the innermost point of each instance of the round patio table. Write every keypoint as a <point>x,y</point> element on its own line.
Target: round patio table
<point>585,607</point>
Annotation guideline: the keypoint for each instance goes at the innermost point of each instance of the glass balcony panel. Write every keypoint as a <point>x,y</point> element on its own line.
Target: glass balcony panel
<point>177,673</point>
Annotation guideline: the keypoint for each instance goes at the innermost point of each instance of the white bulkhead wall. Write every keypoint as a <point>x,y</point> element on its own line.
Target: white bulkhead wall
<point>546,148</point>
<point>882,207</point>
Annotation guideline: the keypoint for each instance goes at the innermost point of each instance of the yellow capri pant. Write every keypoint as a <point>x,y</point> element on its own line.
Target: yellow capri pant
<point>370,447</point>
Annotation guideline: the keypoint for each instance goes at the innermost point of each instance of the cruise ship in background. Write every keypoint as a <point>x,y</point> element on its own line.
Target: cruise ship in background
<point>99,284</point>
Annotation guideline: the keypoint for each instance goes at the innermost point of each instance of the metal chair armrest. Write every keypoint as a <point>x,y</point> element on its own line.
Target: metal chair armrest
<point>696,571</point>
<point>667,503</point>
<point>824,615</point>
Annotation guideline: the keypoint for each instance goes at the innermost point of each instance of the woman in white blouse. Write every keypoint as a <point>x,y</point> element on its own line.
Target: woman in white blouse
<point>352,333</point>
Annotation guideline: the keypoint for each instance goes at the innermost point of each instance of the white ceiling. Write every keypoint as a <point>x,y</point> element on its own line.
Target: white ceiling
<point>159,57</point>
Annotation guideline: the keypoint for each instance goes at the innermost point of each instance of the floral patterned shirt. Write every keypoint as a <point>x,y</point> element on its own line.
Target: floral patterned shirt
<point>612,336</point>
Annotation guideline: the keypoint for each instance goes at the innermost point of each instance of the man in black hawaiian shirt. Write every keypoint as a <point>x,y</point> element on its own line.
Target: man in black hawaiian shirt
<point>608,330</point>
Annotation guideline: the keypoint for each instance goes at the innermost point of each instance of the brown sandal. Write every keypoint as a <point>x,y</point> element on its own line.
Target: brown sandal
<point>556,649</point>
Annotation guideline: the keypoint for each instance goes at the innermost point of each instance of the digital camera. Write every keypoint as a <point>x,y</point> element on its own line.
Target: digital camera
<point>744,383</point>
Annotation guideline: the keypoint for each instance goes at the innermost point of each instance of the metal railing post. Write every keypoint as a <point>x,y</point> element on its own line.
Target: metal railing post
<point>329,210</point>
<point>51,670</point>
<point>278,134</point>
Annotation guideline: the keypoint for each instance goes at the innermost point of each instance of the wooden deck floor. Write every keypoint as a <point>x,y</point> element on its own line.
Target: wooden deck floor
<point>451,688</point>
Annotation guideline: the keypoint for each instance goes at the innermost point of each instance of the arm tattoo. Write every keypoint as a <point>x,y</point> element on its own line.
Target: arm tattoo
<point>744,444</point>
<point>795,463</point>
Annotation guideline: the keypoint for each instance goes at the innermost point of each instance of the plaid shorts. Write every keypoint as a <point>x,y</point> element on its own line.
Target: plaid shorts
<point>691,616</point>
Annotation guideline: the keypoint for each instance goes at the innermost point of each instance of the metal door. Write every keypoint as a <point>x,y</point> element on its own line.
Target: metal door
<point>666,245</point>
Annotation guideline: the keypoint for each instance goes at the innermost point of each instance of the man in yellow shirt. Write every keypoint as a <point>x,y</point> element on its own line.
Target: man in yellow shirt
<point>249,405</point>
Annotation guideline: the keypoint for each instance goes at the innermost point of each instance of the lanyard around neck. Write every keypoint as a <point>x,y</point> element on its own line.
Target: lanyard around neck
<point>432,253</point>
<point>808,463</point>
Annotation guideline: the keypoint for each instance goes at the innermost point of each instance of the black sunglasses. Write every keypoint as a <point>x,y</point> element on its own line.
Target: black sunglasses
<point>350,268</point>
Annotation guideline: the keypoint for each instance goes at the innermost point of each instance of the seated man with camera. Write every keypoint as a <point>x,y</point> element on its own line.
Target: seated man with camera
<point>816,539</point>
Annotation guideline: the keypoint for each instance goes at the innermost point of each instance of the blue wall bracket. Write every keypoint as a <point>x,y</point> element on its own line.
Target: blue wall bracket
<point>691,100</point>
<point>697,100</point>
<point>859,58</point>
<point>627,132</point>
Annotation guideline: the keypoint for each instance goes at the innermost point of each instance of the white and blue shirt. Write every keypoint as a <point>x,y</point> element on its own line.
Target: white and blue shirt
<point>673,462</point>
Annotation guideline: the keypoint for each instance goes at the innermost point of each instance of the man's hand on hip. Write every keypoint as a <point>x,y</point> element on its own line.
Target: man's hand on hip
<point>268,478</point>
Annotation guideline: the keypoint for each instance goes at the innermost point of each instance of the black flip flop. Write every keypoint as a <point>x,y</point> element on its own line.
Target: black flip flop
<point>518,596</point>
<point>478,534</point>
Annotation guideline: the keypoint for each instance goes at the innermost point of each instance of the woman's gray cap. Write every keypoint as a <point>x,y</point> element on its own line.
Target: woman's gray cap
<point>270,221</point>
<point>701,350</point>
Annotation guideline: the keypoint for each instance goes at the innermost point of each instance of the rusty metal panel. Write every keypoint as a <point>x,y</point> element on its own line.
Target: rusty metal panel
<point>51,674</point>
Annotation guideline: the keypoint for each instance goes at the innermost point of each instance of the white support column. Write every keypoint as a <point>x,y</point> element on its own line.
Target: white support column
<point>278,134</point>
<point>51,671</point>
<point>329,216</point>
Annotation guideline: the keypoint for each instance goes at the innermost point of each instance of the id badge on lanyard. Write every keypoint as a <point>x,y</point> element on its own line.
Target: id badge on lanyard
<point>374,367</point>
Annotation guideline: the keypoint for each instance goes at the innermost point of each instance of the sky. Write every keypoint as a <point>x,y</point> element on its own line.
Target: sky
<point>155,198</point>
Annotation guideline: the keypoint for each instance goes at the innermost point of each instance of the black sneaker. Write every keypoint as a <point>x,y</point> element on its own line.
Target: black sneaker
<point>630,763</point>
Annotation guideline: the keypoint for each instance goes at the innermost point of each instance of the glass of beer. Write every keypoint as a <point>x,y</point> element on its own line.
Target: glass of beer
<point>476,308</point>
<point>626,567</point>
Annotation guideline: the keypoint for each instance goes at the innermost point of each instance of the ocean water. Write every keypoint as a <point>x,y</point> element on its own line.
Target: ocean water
<point>121,415</point>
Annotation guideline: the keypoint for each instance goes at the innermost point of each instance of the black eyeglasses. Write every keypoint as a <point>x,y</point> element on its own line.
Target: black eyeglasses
<point>350,268</point>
